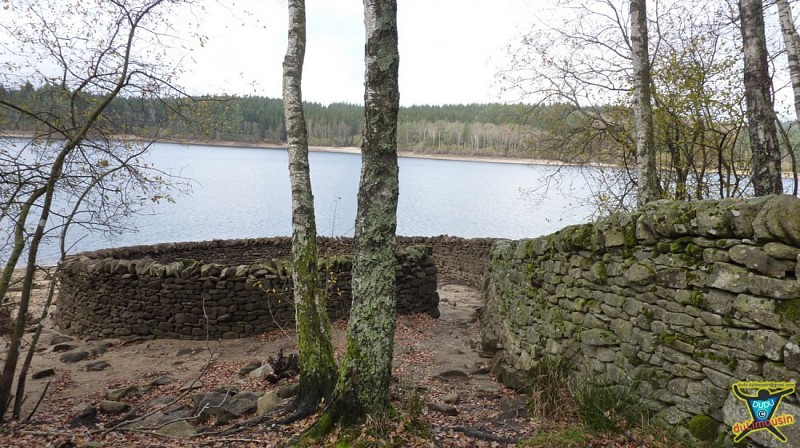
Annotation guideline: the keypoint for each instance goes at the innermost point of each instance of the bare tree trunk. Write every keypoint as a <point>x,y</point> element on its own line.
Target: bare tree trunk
<point>792,43</point>
<point>766,155</point>
<point>647,187</point>
<point>363,385</point>
<point>317,365</point>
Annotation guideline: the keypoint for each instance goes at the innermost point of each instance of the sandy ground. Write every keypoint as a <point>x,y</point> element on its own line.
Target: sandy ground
<point>357,150</point>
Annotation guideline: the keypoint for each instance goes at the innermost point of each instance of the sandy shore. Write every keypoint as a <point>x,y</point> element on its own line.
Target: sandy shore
<point>357,150</point>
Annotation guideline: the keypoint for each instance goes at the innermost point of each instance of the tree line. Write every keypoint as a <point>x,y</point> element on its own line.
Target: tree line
<point>467,129</point>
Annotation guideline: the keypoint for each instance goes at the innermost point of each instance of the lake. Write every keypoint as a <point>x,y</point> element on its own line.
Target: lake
<point>245,193</point>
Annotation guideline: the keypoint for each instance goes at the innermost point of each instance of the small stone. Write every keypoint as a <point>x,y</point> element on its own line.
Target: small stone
<point>267,402</point>
<point>453,374</point>
<point>112,407</point>
<point>208,404</point>
<point>162,381</point>
<point>253,365</point>
<point>241,404</point>
<point>262,372</point>
<point>97,366</point>
<point>43,374</point>
<point>58,348</point>
<point>443,408</point>
<point>87,418</point>
<point>480,369</point>
<point>489,390</point>
<point>184,352</point>
<point>123,392</point>
<point>180,429</point>
<point>72,357</point>
<point>451,398</point>
<point>59,339</point>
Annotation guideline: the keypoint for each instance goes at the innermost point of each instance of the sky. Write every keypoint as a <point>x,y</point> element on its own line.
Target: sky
<point>450,50</point>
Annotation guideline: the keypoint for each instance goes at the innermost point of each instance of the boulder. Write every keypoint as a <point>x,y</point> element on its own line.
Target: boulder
<point>97,366</point>
<point>43,374</point>
<point>87,417</point>
<point>180,429</point>
<point>267,403</point>
<point>75,356</point>
<point>443,408</point>
<point>112,407</point>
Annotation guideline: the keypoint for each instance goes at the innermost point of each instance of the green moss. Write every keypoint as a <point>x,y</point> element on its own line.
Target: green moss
<point>668,339</point>
<point>698,299</point>
<point>694,251</point>
<point>789,309</point>
<point>703,427</point>
<point>663,247</point>
<point>729,361</point>
<point>579,237</point>
<point>679,245</point>
<point>630,236</point>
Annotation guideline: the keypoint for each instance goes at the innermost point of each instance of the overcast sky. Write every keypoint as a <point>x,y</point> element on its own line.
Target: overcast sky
<point>450,50</point>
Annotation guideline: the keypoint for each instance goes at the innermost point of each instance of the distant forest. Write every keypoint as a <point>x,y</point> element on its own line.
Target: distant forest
<point>464,129</point>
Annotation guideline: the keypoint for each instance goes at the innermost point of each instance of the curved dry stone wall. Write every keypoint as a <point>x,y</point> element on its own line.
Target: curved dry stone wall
<point>686,297</point>
<point>216,289</point>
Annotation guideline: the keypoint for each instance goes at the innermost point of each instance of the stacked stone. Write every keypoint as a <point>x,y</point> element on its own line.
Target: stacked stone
<point>189,299</point>
<point>460,260</point>
<point>687,298</point>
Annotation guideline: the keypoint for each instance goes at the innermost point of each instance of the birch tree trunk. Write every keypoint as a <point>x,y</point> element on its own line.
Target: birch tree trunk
<point>766,155</point>
<point>792,44</point>
<point>363,385</point>
<point>648,187</point>
<point>317,365</point>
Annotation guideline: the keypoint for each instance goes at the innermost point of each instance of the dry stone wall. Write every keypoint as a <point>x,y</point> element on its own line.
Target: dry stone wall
<point>686,297</point>
<point>133,291</point>
<point>460,260</point>
<point>235,288</point>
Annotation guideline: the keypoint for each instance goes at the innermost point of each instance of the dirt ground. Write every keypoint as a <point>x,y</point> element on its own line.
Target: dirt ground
<point>439,359</point>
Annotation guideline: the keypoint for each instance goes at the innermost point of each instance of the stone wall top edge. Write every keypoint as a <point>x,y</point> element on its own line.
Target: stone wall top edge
<point>763,219</point>
<point>153,250</point>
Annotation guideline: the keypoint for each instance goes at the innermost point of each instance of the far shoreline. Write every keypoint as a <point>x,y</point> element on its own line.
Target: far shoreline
<point>356,150</point>
<point>408,154</point>
<point>331,149</point>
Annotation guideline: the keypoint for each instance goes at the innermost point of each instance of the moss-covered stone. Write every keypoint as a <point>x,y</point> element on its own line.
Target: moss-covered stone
<point>598,337</point>
<point>789,310</point>
<point>703,427</point>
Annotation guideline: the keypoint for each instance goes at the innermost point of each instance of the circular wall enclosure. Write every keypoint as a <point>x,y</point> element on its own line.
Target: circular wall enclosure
<point>217,289</point>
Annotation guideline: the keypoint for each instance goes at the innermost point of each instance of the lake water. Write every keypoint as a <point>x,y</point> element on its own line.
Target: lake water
<point>245,193</point>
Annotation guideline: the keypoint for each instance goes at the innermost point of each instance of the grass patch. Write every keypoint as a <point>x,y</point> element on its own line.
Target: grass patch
<point>547,389</point>
<point>606,407</point>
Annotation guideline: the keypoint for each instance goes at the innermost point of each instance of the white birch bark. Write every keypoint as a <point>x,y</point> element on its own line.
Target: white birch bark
<point>317,365</point>
<point>766,155</point>
<point>648,187</point>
